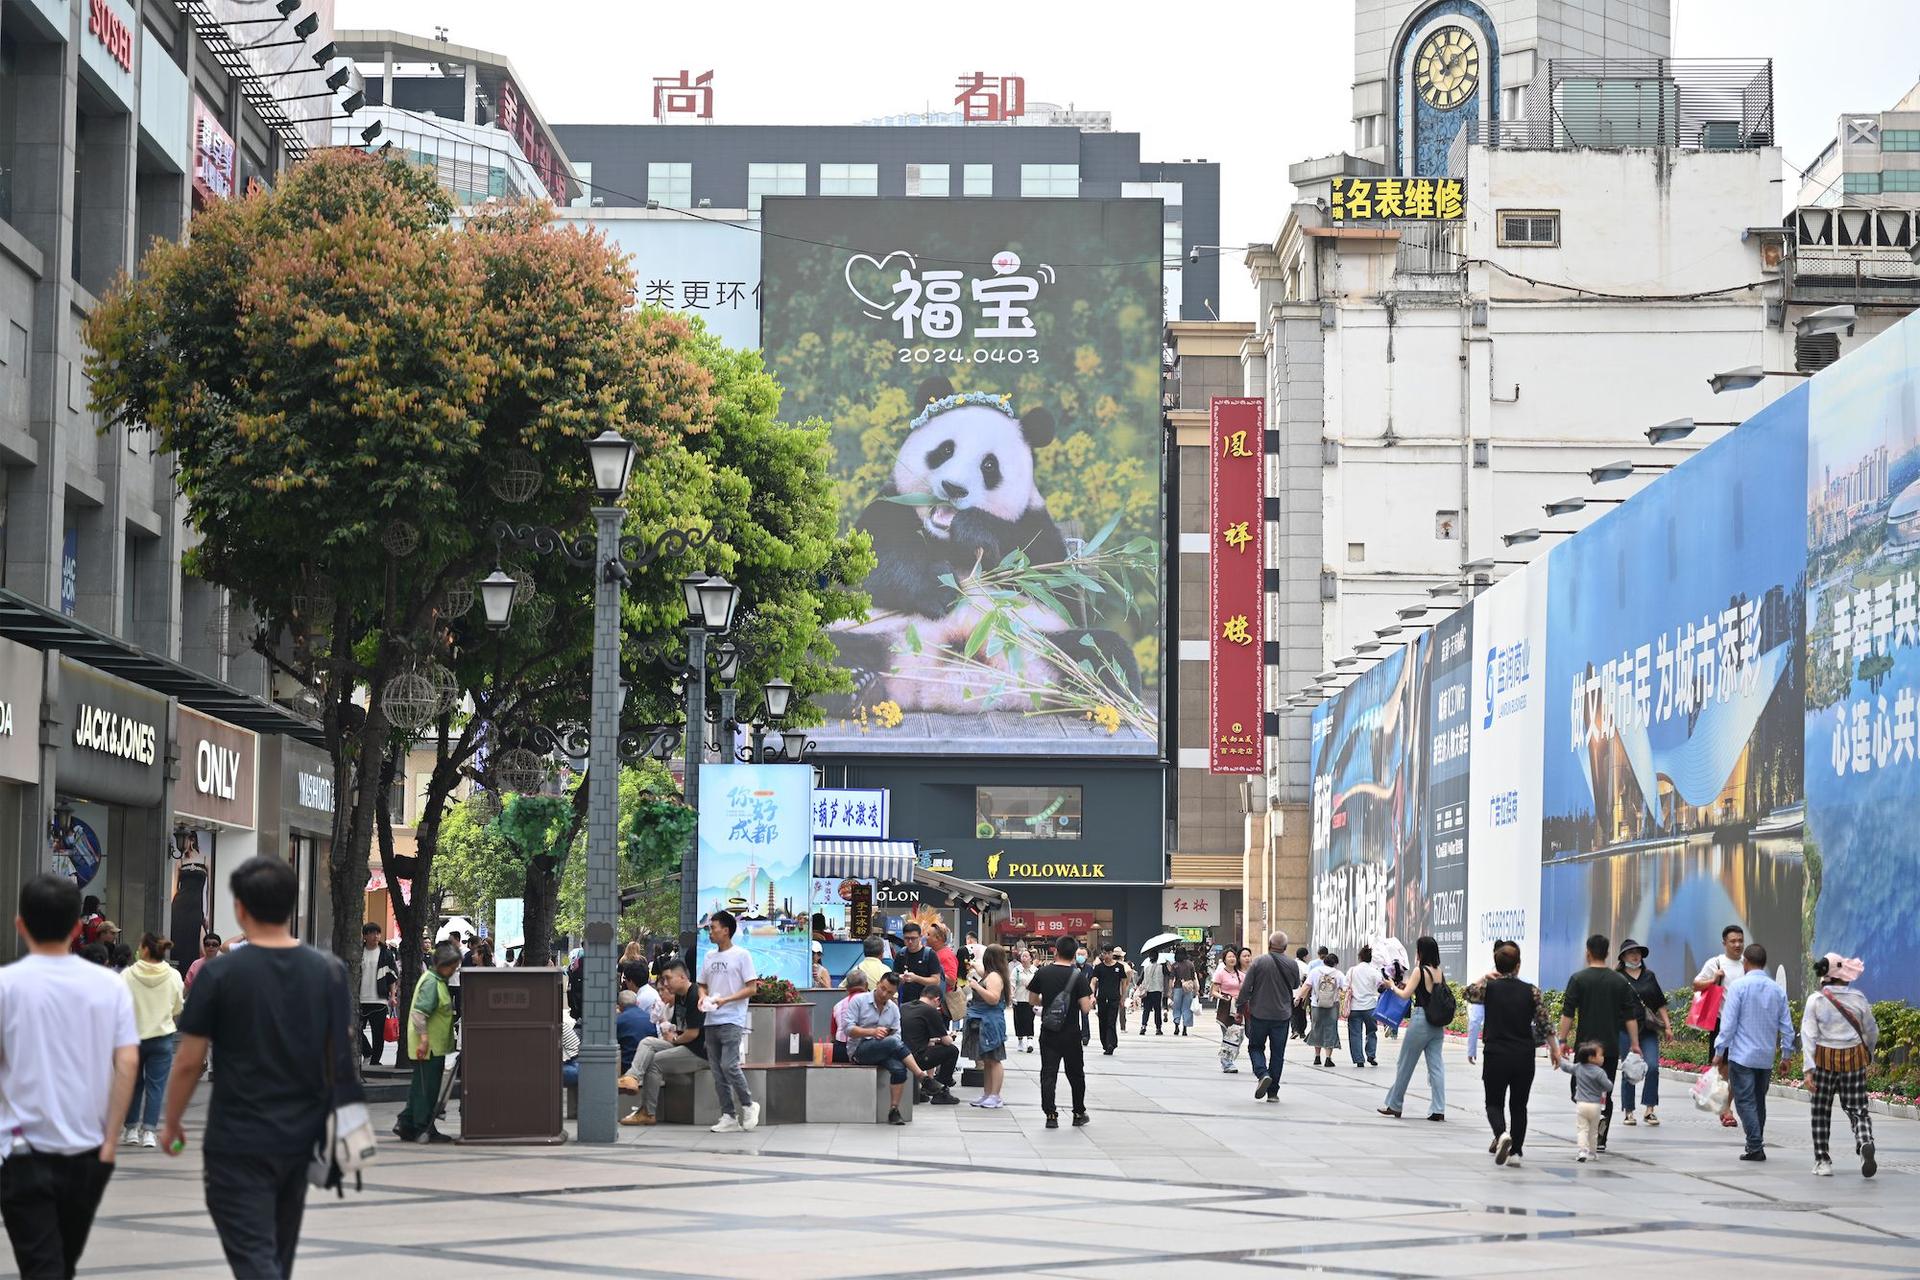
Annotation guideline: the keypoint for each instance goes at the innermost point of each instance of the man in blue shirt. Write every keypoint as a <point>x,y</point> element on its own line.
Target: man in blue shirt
<point>873,1040</point>
<point>1755,1029</point>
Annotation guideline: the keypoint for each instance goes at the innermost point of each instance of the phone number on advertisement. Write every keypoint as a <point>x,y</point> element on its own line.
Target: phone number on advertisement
<point>960,355</point>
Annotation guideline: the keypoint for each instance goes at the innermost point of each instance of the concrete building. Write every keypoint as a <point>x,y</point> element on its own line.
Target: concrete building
<point>1872,162</point>
<point>725,167</point>
<point>136,749</point>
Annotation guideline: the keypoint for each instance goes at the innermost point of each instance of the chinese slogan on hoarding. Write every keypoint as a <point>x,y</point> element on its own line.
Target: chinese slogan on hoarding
<point>1385,199</point>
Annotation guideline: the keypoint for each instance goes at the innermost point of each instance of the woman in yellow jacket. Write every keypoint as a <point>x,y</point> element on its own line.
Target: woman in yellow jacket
<point>158,995</point>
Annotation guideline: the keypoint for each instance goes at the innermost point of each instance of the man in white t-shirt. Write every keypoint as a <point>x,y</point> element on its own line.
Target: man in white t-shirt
<point>1363,996</point>
<point>1723,970</point>
<point>727,982</point>
<point>69,1050</point>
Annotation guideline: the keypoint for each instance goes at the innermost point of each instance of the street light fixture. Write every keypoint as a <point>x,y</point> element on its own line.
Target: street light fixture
<point>497,591</point>
<point>718,601</point>
<point>1412,611</point>
<point>779,696</point>
<point>1825,321</point>
<point>612,456</point>
<point>1747,377</point>
<point>1568,506</point>
<point>1521,536</point>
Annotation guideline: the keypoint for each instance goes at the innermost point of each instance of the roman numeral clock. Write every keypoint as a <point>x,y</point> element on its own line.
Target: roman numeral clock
<point>1446,67</point>
<point>1446,74</point>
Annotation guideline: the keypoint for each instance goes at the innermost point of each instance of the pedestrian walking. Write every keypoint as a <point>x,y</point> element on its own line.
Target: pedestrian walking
<point>1109,997</point>
<point>1227,981</point>
<point>1299,1012</point>
<point>1598,1005</point>
<point>1756,1029</point>
<point>281,1017</point>
<point>1515,1027</point>
<point>728,981</point>
<point>1325,991</point>
<point>1655,1026</point>
<point>1364,983</point>
<point>1085,966</point>
<point>1838,1035</point>
<point>1723,971</point>
<point>985,1040</point>
<point>1060,991</point>
<point>1591,1088</point>
<point>1266,998</point>
<point>379,970</point>
<point>1186,985</point>
<point>158,994</point>
<point>1153,999</point>
<point>429,1039</point>
<point>1019,973</point>
<point>1426,1032</point>
<point>69,1052</point>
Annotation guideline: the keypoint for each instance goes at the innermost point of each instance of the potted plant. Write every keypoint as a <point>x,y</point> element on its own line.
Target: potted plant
<point>780,1024</point>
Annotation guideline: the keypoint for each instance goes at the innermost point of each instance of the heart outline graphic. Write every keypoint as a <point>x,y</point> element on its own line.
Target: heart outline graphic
<point>880,267</point>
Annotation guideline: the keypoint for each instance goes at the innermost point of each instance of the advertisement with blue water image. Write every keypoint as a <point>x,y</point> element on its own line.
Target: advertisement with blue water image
<point>1863,660</point>
<point>1673,780</point>
<point>756,861</point>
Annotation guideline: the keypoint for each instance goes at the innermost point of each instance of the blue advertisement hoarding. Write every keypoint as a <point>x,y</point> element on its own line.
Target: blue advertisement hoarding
<point>756,861</point>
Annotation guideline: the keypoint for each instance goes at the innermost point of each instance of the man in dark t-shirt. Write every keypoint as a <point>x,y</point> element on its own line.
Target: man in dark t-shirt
<point>1109,988</point>
<point>1060,1044</point>
<point>917,965</point>
<point>928,1034</point>
<point>282,1018</point>
<point>1599,1005</point>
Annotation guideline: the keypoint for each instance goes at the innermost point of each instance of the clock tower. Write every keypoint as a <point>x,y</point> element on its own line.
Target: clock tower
<point>1424,69</point>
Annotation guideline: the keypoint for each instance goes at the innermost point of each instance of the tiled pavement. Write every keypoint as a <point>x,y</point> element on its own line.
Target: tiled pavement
<point>1181,1173</point>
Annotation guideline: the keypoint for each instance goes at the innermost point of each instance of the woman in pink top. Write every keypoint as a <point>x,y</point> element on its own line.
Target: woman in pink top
<point>1226,989</point>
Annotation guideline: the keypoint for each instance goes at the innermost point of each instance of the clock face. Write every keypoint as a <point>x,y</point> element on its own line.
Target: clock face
<point>1447,67</point>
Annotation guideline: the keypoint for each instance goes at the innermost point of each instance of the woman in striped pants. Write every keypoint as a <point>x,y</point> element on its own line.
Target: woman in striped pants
<point>1838,1034</point>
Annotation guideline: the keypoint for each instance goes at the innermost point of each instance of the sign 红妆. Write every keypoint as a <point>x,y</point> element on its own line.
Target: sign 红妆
<point>1235,563</point>
<point>851,813</point>
<point>1398,199</point>
<point>1189,907</point>
<point>111,738</point>
<point>217,767</point>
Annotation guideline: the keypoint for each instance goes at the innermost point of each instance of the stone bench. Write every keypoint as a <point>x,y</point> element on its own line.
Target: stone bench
<point>790,1093</point>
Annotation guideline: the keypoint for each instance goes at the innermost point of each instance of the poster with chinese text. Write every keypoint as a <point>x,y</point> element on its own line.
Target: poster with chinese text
<point>756,861</point>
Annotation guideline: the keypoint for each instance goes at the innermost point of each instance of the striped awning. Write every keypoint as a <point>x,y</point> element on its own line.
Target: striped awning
<point>865,859</point>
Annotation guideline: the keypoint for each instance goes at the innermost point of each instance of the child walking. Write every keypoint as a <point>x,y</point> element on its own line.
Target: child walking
<point>1590,1089</point>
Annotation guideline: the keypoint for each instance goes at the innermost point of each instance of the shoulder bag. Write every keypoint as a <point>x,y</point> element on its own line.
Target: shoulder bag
<point>1441,1006</point>
<point>1855,1057</point>
<point>346,1144</point>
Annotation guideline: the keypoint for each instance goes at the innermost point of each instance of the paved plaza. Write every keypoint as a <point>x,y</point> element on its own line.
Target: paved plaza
<point>1181,1173</point>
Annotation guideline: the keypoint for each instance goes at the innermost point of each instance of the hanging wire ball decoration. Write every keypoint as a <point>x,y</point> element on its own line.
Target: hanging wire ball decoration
<point>446,685</point>
<point>220,632</point>
<point>518,769</point>
<point>536,613</point>
<point>400,538</point>
<point>516,477</point>
<point>314,600</point>
<point>456,600</point>
<point>411,701</point>
<point>524,584</point>
<point>483,806</point>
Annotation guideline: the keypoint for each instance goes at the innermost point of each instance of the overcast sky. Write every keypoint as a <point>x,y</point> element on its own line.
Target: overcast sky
<point>1165,71</point>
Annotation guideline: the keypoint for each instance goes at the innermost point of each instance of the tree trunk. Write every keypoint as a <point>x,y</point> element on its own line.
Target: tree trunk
<point>541,895</point>
<point>355,793</point>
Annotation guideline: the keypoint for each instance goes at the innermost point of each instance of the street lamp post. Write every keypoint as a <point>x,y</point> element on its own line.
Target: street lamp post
<point>711,603</point>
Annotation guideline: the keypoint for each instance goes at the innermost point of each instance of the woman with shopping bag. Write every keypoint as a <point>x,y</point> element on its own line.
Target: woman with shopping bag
<point>1710,991</point>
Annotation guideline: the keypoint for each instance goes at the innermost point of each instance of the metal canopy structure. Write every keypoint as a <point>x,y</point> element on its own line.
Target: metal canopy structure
<point>232,57</point>
<point>38,627</point>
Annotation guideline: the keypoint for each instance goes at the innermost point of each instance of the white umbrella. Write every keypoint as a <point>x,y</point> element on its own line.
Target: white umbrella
<point>1160,940</point>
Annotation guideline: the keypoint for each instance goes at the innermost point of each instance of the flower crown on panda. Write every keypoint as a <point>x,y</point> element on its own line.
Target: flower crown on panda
<point>992,400</point>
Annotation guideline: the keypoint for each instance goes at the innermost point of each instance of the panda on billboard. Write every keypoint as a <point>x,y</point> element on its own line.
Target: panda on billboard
<point>962,499</point>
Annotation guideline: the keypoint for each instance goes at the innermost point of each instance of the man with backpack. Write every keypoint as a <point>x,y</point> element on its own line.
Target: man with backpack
<point>1063,994</point>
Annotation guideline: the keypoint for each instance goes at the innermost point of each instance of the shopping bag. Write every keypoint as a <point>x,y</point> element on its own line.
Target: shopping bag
<point>1710,1091</point>
<point>392,1032</point>
<point>1392,1009</point>
<point>1705,1011</point>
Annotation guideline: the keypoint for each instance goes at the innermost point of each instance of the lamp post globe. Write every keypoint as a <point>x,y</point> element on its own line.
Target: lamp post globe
<point>729,666</point>
<point>779,695</point>
<point>718,599</point>
<point>497,591</point>
<point>612,456</point>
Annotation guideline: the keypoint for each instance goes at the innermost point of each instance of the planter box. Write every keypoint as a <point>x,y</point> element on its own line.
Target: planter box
<point>779,1033</point>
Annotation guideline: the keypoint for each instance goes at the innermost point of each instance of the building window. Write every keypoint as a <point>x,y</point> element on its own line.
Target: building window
<point>1356,552</point>
<point>927,179</point>
<point>1861,184</point>
<point>849,179</point>
<point>775,180</point>
<point>1900,180</point>
<point>1900,140</point>
<point>670,184</point>
<point>1050,180</point>
<point>1529,228</point>
<point>976,180</point>
<point>1026,813</point>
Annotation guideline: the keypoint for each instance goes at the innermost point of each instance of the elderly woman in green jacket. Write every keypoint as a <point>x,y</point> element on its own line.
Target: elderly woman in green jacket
<point>429,1039</point>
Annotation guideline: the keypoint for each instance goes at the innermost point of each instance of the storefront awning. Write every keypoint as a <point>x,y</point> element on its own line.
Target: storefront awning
<point>978,895</point>
<point>865,859</point>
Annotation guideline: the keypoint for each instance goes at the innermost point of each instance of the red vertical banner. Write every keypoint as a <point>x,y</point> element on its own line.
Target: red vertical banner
<point>1236,561</point>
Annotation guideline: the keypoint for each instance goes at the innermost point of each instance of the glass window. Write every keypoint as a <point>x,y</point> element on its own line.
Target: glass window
<point>1900,180</point>
<point>670,184</point>
<point>1049,179</point>
<point>849,179</point>
<point>1861,184</point>
<point>775,180</point>
<point>1027,813</point>
<point>976,180</point>
<point>927,179</point>
<point>1900,140</point>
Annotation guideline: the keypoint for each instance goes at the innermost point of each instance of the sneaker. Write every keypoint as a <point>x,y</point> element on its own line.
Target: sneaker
<point>994,1103</point>
<point>1265,1087</point>
<point>627,1084</point>
<point>639,1115</point>
<point>1628,1119</point>
<point>1441,1116</point>
<point>730,1125</point>
<point>149,1139</point>
<point>1753,1155</point>
<point>130,1136</point>
<point>980,1101</point>
<point>1868,1166</point>
<point>894,1116</point>
<point>1053,1122</point>
<point>1503,1149</point>
<point>433,1137</point>
<point>1513,1162</point>
<point>945,1098</point>
<point>1600,1150</point>
<point>1652,1118</point>
<point>1081,1119</point>
<point>750,1117</point>
<point>1316,1062</point>
<point>1582,1156</point>
<point>1372,1062</point>
<point>1823,1168</point>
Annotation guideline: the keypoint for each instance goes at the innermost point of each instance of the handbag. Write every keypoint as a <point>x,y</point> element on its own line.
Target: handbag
<point>391,1033</point>
<point>1704,1013</point>
<point>955,1003</point>
<point>1392,1009</point>
<point>347,1143</point>
<point>1854,1057</point>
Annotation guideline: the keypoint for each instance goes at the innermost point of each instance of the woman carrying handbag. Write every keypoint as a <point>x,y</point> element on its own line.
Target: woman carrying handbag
<point>1433,1009</point>
<point>1226,983</point>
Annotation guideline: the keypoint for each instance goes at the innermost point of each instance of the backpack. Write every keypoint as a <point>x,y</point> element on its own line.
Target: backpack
<point>1326,989</point>
<point>1058,1014</point>
<point>1441,1005</point>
